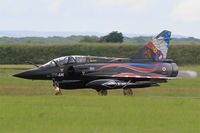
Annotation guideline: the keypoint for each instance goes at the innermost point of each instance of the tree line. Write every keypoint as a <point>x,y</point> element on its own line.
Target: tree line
<point>39,54</point>
<point>113,37</point>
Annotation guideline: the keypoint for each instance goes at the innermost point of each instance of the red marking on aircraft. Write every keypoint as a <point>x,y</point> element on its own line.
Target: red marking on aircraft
<point>139,69</point>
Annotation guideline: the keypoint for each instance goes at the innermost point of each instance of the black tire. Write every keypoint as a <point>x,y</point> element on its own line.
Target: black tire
<point>102,92</point>
<point>127,92</point>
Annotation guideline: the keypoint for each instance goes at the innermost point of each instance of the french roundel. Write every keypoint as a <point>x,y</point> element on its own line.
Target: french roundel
<point>164,68</point>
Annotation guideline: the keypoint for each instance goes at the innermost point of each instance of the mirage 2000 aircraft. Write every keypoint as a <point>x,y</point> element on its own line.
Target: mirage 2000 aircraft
<point>148,68</point>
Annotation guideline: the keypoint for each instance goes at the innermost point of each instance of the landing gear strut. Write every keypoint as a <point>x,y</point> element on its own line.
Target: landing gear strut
<point>102,92</point>
<point>57,89</point>
<point>127,91</point>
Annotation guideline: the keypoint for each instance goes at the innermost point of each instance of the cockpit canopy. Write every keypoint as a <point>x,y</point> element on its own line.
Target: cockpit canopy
<point>65,60</point>
<point>78,59</point>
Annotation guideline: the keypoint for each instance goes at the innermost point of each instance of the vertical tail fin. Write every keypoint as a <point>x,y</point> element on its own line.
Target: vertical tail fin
<point>156,50</point>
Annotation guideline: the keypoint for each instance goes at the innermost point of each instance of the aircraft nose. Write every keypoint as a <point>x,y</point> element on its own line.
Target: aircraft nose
<point>22,74</point>
<point>30,74</point>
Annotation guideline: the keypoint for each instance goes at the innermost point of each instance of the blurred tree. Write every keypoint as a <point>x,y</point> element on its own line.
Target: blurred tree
<point>89,39</point>
<point>114,36</point>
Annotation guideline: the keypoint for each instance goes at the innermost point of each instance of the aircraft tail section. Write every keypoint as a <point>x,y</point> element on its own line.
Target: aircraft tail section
<point>156,50</point>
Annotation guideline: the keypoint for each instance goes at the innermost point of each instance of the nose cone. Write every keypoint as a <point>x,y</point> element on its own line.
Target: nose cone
<point>25,75</point>
<point>31,74</point>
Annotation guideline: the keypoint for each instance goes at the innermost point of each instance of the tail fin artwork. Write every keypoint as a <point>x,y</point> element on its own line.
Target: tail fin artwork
<point>156,50</point>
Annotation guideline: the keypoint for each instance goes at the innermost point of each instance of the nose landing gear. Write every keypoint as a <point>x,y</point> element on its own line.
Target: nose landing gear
<point>57,89</point>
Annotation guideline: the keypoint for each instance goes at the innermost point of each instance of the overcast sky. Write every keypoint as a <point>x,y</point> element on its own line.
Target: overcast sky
<point>128,16</point>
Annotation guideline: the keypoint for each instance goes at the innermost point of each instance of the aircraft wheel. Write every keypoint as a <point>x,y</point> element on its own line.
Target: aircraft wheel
<point>105,92</point>
<point>128,92</point>
<point>102,92</point>
<point>57,89</point>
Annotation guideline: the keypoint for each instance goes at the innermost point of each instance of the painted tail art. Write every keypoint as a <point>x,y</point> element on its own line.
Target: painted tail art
<point>156,50</point>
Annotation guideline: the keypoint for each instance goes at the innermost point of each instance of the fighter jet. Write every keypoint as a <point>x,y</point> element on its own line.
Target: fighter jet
<point>148,68</point>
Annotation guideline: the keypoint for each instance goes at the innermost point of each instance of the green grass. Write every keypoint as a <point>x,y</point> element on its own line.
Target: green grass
<point>98,114</point>
<point>30,106</point>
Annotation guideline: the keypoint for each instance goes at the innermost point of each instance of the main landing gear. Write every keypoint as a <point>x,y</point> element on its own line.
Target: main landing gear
<point>102,92</point>
<point>127,92</point>
<point>57,89</point>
